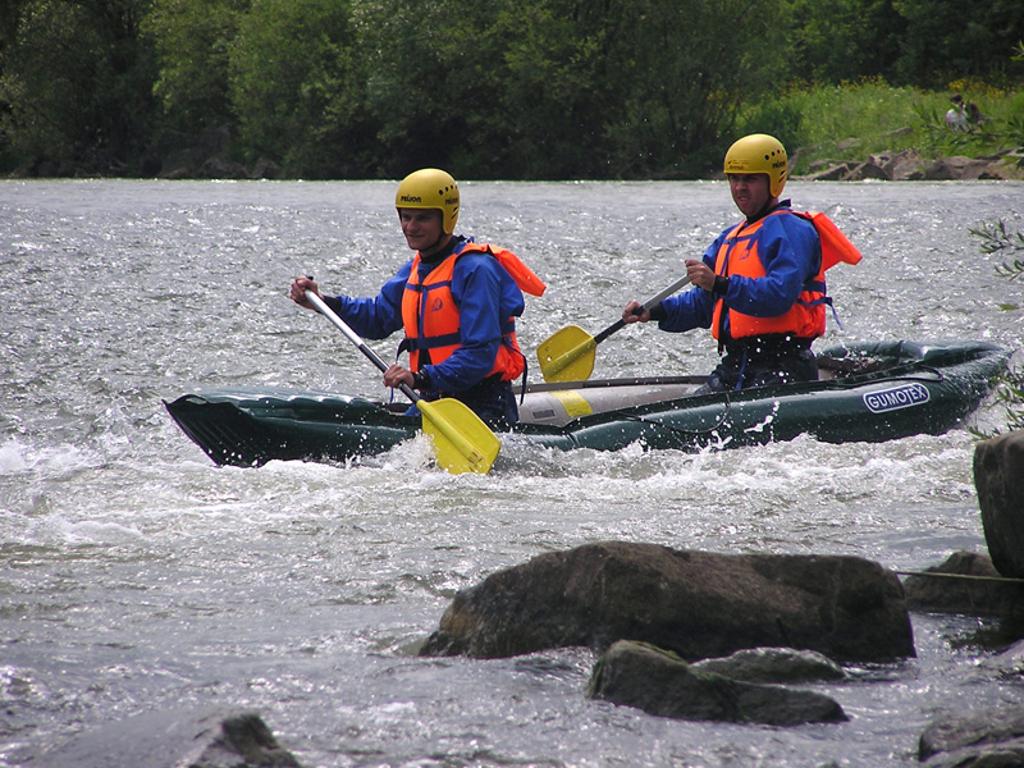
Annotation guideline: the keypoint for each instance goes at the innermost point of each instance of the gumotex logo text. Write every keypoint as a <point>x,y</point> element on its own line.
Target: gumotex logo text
<point>905,396</point>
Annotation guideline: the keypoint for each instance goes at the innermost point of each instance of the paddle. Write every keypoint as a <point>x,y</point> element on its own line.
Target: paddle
<point>568,354</point>
<point>462,442</point>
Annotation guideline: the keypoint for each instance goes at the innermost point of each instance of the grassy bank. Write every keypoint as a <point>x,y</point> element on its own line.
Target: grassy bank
<point>854,120</point>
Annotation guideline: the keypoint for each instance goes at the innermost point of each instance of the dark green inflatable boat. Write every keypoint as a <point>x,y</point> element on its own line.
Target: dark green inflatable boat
<point>868,392</point>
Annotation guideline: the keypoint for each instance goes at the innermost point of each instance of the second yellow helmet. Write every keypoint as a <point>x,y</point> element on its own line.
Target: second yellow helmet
<point>434,189</point>
<point>759,153</point>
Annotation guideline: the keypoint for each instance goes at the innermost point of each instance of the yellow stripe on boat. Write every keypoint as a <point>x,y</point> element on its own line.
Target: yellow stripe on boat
<point>574,403</point>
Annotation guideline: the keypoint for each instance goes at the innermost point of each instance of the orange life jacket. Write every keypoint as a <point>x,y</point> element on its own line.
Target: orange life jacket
<point>738,255</point>
<point>430,315</point>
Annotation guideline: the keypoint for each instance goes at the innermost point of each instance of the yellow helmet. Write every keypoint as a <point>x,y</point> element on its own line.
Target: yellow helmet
<point>433,189</point>
<point>759,153</point>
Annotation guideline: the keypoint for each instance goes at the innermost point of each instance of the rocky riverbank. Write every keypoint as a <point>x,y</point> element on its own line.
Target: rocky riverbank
<point>909,165</point>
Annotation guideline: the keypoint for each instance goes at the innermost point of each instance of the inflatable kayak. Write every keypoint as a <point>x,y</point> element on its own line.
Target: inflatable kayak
<point>868,392</point>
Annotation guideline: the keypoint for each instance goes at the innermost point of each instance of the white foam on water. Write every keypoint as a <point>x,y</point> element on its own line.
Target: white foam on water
<point>18,456</point>
<point>12,458</point>
<point>78,533</point>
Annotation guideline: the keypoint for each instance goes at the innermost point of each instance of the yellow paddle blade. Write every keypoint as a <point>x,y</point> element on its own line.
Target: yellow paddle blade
<point>567,355</point>
<point>462,442</point>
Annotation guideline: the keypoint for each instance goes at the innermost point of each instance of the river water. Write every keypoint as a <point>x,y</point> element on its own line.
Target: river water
<point>136,576</point>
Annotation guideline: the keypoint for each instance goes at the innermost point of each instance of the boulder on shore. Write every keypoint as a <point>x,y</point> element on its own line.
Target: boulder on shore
<point>999,480</point>
<point>171,738</point>
<point>660,683</point>
<point>908,165</point>
<point>696,604</point>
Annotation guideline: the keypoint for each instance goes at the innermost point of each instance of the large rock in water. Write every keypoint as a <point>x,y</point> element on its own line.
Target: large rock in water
<point>999,479</point>
<point>967,583</point>
<point>660,683</point>
<point>696,604</point>
<point>991,739</point>
<point>173,738</point>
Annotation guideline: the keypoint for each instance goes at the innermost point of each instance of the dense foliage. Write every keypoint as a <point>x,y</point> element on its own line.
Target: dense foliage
<point>487,88</point>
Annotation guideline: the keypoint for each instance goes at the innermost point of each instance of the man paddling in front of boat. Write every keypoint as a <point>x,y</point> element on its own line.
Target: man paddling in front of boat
<point>760,286</point>
<point>456,300</point>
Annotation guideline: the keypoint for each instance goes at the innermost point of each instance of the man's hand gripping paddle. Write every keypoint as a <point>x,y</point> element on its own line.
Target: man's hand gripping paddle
<point>462,442</point>
<point>568,354</point>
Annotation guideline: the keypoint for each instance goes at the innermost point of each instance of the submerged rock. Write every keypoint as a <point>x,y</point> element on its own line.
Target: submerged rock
<point>993,739</point>
<point>660,683</point>
<point>999,479</point>
<point>169,739</point>
<point>774,665</point>
<point>697,604</point>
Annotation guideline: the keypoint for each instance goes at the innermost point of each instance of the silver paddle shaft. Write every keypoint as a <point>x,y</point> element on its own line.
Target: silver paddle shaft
<point>356,339</point>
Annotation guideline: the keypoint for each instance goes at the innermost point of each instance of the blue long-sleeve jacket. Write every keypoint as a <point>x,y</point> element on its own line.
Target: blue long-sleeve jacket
<point>485,294</point>
<point>791,253</point>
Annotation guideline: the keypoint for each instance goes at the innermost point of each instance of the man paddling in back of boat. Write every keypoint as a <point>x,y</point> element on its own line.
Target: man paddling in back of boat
<point>761,284</point>
<point>456,299</point>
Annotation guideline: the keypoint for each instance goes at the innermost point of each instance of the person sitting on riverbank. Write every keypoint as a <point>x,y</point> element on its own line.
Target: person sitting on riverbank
<point>456,299</point>
<point>956,116</point>
<point>761,284</point>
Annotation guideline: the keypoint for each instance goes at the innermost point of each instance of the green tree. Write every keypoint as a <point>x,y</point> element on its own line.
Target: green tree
<point>948,40</point>
<point>9,13</point>
<point>433,83</point>
<point>497,89</point>
<point>191,40</point>
<point>77,85</point>
<point>844,40</point>
<point>565,88</point>
<point>555,88</point>
<point>298,87</point>
<point>680,71</point>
